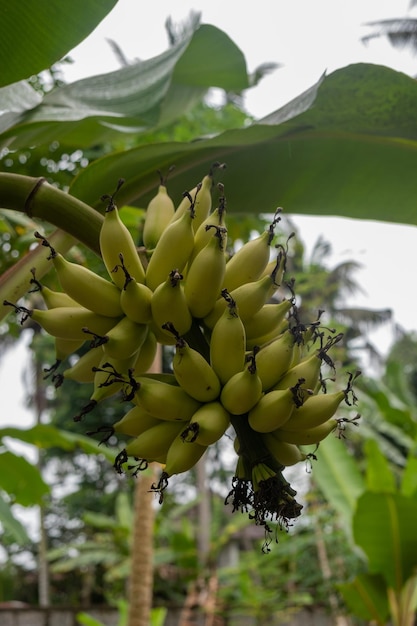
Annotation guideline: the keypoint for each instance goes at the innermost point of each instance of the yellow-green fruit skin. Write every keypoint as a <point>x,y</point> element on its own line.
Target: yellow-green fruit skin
<point>168,304</point>
<point>82,370</point>
<point>204,278</point>
<point>182,456</point>
<point>153,442</point>
<point>248,263</point>
<point>210,422</point>
<point>135,301</point>
<point>228,345</point>
<point>241,392</point>
<point>124,339</point>
<point>135,422</point>
<point>316,410</point>
<point>195,374</point>
<point>159,213</point>
<point>89,289</point>
<point>272,411</point>
<point>284,453</point>
<point>69,322</point>
<point>165,401</point>
<point>309,436</point>
<point>171,252</point>
<point>273,360</point>
<point>115,239</point>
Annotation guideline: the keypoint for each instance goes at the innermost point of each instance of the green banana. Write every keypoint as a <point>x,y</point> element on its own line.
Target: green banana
<point>268,319</point>
<point>274,359</point>
<point>248,263</point>
<point>168,304</point>
<point>216,218</point>
<point>208,424</point>
<point>153,442</point>
<point>159,213</point>
<point>124,340</point>
<point>165,401</point>
<point>82,371</point>
<point>284,453</point>
<point>182,456</point>
<point>309,436</point>
<point>146,355</point>
<point>200,195</point>
<point>194,374</point>
<point>172,250</point>
<point>115,239</point>
<point>242,391</point>
<point>85,286</point>
<point>205,275</point>
<point>273,410</point>
<point>135,422</point>
<point>228,342</point>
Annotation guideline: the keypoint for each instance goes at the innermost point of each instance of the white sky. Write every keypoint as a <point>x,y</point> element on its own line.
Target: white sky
<point>307,37</point>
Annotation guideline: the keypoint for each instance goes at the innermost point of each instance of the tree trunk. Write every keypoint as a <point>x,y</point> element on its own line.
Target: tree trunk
<point>140,587</point>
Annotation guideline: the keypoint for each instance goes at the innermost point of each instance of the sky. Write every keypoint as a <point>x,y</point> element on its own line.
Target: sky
<point>307,38</point>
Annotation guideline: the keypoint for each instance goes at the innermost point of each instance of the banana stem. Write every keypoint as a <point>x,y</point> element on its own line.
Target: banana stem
<point>38,199</point>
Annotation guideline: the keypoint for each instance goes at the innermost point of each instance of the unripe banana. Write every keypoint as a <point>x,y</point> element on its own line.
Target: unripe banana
<point>216,218</point>
<point>248,263</point>
<point>307,370</point>
<point>68,322</point>
<point>268,319</point>
<point>153,442</point>
<point>182,456</point>
<point>115,239</point>
<point>159,213</point>
<point>146,355</point>
<point>135,422</point>
<point>194,373</point>
<point>135,298</point>
<point>249,297</point>
<point>208,424</point>
<point>165,401</point>
<point>242,391</point>
<point>316,410</point>
<point>228,342</point>
<point>83,369</point>
<point>269,337</point>
<point>124,339</point>
<point>85,286</point>
<point>172,250</point>
<point>65,347</point>
<point>307,437</point>
<point>201,197</point>
<point>205,275</point>
<point>274,359</point>
<point>273,410</point>
<point>52,298</point>
<point>284,453</point>
<point>168,304</point>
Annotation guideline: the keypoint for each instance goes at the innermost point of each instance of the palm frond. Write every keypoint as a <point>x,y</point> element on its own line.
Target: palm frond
<point>401,32</point>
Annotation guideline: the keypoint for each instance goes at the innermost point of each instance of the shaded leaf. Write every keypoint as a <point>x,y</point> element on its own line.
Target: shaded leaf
<point>35,34</point>
<point>338,477</point>
<point>409,478</point>
<point>384,527</point>
<point>379,477</point>
<point>21,479</point>
<point>352,153</point>
<point>11,524</point>
<point>366,597</point>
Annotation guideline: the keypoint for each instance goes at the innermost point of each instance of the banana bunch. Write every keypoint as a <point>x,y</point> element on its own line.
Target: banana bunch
<point>242,361</point>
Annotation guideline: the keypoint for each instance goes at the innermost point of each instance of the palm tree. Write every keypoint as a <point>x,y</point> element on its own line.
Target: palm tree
<point>401,32</point>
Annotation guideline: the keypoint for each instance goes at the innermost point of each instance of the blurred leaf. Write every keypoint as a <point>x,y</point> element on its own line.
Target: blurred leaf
<point>409,478</point>
<point>366,597</point>
<point>35,34</point>
<point>11,524</point>
<point>21,479</point>
<point>338,477</point>
<point>379,477</point>
<point>384,527</point>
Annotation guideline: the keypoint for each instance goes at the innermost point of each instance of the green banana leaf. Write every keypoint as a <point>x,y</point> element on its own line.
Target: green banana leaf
<point>21,479</point>
<point>35,34</point>
<point>379,476</point>
<point>338,477</point>
<point>366,597</point>
<point>384,527</point>
<point>141,96</point>
<point>11,524</point>
<point>339,150</point>
<point>48,436</point>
